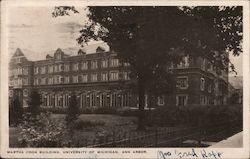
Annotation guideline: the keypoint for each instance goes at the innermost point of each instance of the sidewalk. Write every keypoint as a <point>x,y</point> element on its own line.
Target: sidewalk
<point>231,142</point>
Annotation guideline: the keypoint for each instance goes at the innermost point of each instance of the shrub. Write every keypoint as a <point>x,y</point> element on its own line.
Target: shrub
<point>40,131</point>
<point>202,116</point>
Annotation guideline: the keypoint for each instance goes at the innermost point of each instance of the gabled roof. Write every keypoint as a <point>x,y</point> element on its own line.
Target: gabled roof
<point>18,52</point>
<point>72,51</point>
<point>59,50</point>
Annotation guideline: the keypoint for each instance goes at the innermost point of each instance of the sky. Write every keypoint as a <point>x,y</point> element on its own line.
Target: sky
<point>34,30</point>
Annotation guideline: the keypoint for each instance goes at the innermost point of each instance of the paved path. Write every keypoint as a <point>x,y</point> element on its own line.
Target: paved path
<point>233,141</point>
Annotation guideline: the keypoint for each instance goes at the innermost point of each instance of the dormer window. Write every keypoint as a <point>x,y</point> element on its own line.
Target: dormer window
<point>48,57</point>
<point>58,54</point>
<point>81,52</point>
<point>100,49</point>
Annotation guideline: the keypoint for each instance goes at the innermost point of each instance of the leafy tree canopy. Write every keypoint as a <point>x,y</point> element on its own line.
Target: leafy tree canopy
<point>145,36</point>
<point>151,37</point>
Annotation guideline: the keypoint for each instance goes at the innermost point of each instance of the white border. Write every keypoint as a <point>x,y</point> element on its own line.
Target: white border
<point>151,152</point>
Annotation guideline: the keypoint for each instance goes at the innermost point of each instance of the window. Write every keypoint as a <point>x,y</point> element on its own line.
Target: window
<point>43,69</point>
<point>104,63</point>
<point>56,68</point>
<point>126,76</point>
<point>209,88</point>
<point>11,82</point>
<point>36,70</point>
<point>94,64</point>
<point>11,93</point>
<point>126,64</point>
<point>114,62</point>
<point>114,75</point>
<point>203,64</point>
<point>25,92</point>
<point>203,100</point>
<point>182,82</point>
<point>36,81</point>
<point>19,71</point>
<point>75,67</point>
<point>181,100</point>
<point>60,67</point>
<point>43,80</point>
<point>58,56</point>
<point>184,63</point>
<point>15,82</point>
<point>56,79</point>
<point>94,77</point>
<point>20,81</point>
<point>104,76</point>
<point>25,71</point>
<point>202,85</point>
<point>84,78</point>
<point>75,79</point>
<point>15,72</point>
<point>160,100</point>
<point>25,81</point>
<point>60,79</point>
<point>66,67</point>
<point>50,80</point>
<point>51,69</point>
<point>66,79</point>
<point>18,60</point>
<point>84,65</point>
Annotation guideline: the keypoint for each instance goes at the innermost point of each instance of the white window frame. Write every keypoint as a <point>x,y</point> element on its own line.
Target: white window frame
<point>181,95</point>
<point>25,81</point>
<point>114,62</point>
<point>94,77</point>
<point>75,79</point>
<point>84,78</point>
<point>202,84</point>
<point>160,100</point>
<point>84,65</point>
<point>113,75</point>
<point>66,67</point>
<point>25,92</point>
<point>94,64</point>
<point>185,82</point>
<point>66,79</point>
<point>104,76</point>
<point>76,66</point>
<point>203,100</point>
<point>104,63</point>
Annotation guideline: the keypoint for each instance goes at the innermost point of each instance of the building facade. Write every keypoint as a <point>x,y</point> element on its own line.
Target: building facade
<point>100,80</point>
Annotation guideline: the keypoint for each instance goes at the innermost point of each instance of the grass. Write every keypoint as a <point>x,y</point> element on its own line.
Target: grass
<point>112,123</point>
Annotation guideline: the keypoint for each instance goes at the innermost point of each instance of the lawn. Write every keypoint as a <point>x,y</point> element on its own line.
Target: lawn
<point>112,124</point>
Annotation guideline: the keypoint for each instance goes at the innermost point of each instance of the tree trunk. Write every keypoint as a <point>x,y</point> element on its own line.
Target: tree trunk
<point>141,96</point>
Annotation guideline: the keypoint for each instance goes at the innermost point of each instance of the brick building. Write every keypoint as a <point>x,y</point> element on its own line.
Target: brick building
<point>100,80</point>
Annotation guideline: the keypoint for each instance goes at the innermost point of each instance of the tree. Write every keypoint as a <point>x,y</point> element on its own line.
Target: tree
<point>34,103</point>
<point>151,37</point>
<point>16,111</point>
<point>73,110</point>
